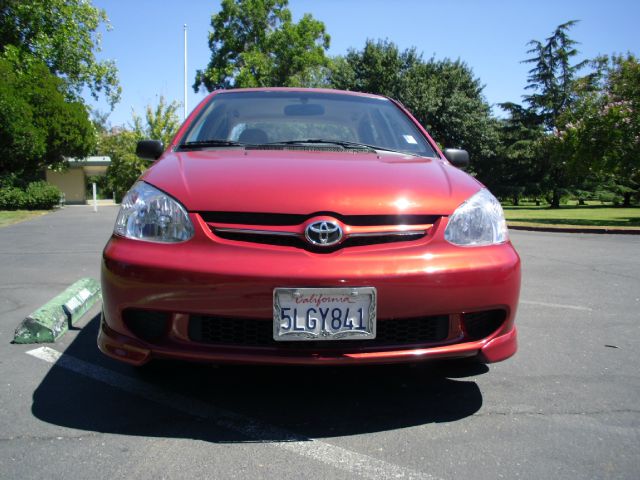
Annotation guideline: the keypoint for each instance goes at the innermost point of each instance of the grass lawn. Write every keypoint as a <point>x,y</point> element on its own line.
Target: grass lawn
<point>588,215</point>
<point>7,217</point>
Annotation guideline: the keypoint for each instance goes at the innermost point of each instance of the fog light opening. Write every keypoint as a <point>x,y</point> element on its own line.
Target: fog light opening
<point>147,325</point>
<point>478,325</point>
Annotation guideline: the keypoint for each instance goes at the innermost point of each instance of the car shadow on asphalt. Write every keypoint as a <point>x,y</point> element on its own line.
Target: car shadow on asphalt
<point>315,402</point>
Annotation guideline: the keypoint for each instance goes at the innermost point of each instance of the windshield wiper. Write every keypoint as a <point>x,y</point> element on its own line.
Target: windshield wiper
<point>308,141</point>
<point>210,143</point>
<point>342,143</point>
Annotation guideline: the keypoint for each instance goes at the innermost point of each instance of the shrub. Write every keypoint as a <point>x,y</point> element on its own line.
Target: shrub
<point>37,196</point>
<point>12,198</point>
<point>42,196</point>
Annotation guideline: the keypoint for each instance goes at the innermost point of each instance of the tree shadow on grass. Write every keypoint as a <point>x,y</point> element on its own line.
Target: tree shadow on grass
<point>616,222</point>
<point>313,402</point>
<point>542,208</point>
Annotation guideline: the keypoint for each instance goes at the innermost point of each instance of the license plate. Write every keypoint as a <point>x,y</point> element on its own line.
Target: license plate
<point>324,313</point>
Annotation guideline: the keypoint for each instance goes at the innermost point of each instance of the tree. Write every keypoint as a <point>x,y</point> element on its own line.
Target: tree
<point>516,170</point>
<point>603,126</point>
<point>553,81</point>
<point>443,95</point>
<point>380,67</point>
<point>22,143</point>
<point>254,43</point>
<point>125,166</point>
<point>100,120</point>
<point>38,127</point>
<point>552,76</point>
<point>62,34</point>
<point>160,123</point>
<point>622,111</point>
<point>447,99</point>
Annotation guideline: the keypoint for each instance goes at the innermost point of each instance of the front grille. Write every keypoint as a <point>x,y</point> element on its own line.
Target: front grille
<point>479,325</point>
<point>257,228</point>
<point>290,219</point>
<point>242,332</point>
<point>299,242</point>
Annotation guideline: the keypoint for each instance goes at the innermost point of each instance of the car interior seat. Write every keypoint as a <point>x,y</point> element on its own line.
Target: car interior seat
<point>254,136</point>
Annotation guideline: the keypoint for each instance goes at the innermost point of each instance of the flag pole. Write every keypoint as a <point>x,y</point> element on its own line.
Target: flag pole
<point>185,71</point>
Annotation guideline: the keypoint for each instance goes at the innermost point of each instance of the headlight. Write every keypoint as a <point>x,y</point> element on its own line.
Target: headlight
<point>478,221</point>
<point>148,214</point>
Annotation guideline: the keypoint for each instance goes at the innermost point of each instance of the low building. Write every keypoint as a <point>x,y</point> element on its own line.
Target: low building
<point>73,181</point>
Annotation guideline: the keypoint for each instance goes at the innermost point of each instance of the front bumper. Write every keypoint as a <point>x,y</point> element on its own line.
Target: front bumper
<point>212,276</point>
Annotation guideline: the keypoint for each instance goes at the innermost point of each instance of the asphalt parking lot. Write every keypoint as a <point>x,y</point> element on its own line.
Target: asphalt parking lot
<point>566,406</point>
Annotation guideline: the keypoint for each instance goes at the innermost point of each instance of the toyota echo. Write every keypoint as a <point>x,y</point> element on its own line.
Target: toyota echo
<point>307,226</point>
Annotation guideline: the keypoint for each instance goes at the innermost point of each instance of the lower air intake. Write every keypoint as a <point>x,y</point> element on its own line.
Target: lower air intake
<point>244,332</point>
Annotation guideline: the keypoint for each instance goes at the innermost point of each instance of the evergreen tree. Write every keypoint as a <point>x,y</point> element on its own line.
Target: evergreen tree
<point>516,171</point>
<point>552,80</point>
<point>553,75</point>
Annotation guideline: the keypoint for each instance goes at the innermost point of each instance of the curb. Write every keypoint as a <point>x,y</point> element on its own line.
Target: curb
<point>52,320</point>
<point>575,229</point>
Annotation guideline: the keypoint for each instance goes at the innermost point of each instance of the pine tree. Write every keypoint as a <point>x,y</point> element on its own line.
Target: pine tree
<point>552,77</point>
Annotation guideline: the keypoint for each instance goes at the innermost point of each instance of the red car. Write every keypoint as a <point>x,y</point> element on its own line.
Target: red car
<point>307,226</point>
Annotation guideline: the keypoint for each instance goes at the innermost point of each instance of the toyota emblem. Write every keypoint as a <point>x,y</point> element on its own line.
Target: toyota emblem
<point>323,233</point>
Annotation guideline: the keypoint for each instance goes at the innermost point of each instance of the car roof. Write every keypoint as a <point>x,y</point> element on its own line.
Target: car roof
<point>298,89</point>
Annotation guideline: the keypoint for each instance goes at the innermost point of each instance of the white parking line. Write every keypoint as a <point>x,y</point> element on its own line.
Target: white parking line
<point>556,305</point>
<point>338,457</point>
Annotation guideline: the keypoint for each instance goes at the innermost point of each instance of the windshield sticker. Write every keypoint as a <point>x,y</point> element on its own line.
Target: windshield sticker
<point>410,139</point>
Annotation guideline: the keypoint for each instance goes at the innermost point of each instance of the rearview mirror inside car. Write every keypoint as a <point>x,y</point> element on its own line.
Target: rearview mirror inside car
<point>303,110</point>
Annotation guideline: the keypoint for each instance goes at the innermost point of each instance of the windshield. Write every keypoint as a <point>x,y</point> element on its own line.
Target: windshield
<point>267,117</point>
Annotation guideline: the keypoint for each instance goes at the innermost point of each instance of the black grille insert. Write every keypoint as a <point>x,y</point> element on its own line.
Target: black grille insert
<point>244,332</point>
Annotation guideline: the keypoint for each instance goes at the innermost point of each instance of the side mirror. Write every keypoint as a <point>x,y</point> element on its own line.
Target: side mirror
<point>149,149</point>
<point>458,158</point>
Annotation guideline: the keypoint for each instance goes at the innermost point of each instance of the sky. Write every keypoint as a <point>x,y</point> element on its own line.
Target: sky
<point>490,36</point>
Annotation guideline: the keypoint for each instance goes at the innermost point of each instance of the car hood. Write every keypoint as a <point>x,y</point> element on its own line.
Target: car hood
<point>304,182</point>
